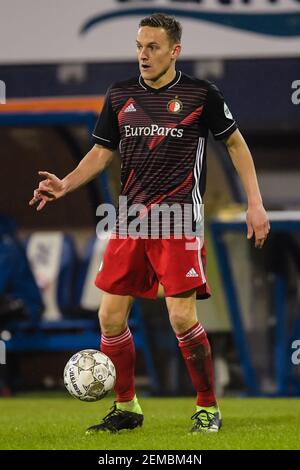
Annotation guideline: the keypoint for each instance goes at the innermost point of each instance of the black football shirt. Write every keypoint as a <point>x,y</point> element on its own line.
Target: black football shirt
<point>162,136</point>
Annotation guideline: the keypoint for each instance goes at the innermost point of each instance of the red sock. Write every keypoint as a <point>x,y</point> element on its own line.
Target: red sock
<point>196,352</point>
<point>120,349</point>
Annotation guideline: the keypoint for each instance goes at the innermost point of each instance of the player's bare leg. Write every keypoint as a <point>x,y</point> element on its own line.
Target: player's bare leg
<point>117,344</point>
<point>196,352</point>
<point>113,313</point>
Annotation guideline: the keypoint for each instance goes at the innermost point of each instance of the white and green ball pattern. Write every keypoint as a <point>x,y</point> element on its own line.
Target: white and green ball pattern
<point>89,375</point>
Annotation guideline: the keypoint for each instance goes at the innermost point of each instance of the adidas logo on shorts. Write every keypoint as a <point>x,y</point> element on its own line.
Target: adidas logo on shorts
<point>191,273</point>
<point>130,109</point>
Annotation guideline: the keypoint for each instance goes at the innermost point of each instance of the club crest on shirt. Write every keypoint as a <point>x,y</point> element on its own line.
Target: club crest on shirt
<point>174,106</point>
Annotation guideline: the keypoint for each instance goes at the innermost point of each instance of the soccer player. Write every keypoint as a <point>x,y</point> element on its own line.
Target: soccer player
<point>160,121</point>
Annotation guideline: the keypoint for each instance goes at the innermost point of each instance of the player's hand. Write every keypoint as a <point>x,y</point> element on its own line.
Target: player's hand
<point>257,224</point>
<point>49,189</point>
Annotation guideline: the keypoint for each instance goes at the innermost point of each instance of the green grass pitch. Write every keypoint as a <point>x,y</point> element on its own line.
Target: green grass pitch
<point>59,422</point>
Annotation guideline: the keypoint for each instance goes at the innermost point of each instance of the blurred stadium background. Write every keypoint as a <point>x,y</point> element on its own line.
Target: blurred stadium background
<point>56,61</point>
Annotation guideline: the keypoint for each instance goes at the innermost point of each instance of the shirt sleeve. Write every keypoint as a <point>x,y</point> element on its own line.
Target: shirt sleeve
<point>106,131</point>
<point>217,114</point>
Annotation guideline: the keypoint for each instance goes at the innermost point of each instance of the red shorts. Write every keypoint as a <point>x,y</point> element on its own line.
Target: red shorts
<point>136,267</point>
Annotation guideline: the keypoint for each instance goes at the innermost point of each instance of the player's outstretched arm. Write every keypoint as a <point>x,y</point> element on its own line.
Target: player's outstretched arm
<point>52,188</point>
<point>256,217</point>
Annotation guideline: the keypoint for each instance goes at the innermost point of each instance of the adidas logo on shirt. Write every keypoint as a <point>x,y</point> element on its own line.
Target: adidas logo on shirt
<point>191,273</point>
<point>130,109</point>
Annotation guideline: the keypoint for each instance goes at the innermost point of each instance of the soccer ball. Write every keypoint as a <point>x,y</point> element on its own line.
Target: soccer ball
<point>89,375</point>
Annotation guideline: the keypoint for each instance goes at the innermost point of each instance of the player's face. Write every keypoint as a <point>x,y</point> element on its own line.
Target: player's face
<point>156,53</point>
